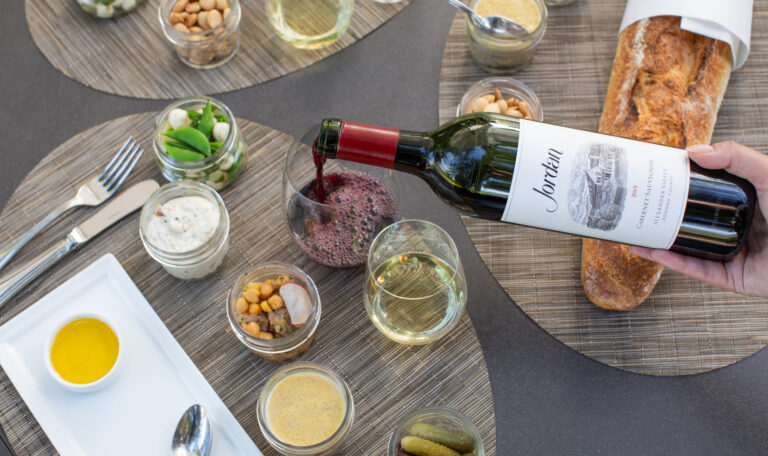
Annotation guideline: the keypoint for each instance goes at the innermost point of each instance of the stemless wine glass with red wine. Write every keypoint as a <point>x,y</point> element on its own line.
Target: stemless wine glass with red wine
<point>335,211</point>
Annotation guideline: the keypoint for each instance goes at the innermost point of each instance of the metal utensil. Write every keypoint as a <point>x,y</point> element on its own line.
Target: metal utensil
<point>123,204</point>
<point>93,192</point>
<point>498,26</point>
<point>193,434</point>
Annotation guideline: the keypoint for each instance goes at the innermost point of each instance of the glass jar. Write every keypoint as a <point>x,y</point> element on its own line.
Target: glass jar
<point>509,88</point>
<point>107,11</point>
<point>310,24</point>
<point>453,420</point>
<point>282,348</point>
<point>199,262</point>
<point>504,55</point>
<point>199,47</point>
<point>221,168</point>
<point>330,445</point>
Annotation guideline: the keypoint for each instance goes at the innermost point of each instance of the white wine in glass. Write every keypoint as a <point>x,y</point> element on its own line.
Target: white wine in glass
<point>415,291</point>
<point>310,24</point>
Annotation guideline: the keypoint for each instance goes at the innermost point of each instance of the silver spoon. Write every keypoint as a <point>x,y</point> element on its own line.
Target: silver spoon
<point>497,26</point>
<point>193,433</point>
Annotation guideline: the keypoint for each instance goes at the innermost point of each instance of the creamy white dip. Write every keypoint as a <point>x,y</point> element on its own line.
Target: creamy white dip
<point>183,224</point>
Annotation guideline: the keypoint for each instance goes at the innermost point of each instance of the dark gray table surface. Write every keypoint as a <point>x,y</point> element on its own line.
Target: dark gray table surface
<point>549,399</point>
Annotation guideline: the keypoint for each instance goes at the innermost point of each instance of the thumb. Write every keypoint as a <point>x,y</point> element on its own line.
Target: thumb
<point>735,158</point>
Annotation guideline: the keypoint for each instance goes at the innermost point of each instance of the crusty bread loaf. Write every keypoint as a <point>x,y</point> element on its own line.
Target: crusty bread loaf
<point>666,87</point>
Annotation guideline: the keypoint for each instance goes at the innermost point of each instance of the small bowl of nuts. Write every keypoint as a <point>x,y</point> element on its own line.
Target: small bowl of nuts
<point>204,33</point>
<point>274,310</point>
<point>501,95</point>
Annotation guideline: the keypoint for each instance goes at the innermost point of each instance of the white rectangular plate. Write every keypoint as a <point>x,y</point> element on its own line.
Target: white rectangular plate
<point>156,381</point>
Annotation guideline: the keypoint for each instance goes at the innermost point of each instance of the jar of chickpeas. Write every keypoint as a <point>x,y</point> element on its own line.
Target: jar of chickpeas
<point>274,310</point>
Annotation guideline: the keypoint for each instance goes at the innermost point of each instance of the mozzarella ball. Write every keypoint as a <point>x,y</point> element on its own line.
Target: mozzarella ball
<point>103,10</point>
<point>221,131</point>
<point>179,118</point>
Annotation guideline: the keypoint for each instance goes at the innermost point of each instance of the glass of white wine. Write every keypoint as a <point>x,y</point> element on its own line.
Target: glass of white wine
<point>415,291</point>
<point>310,24</point>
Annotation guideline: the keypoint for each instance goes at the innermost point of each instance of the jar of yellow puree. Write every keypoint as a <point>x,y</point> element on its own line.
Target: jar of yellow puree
<point>305,409</point>
<point>507,55</point>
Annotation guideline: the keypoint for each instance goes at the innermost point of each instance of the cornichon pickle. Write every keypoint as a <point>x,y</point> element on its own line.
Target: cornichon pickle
<point>422,447</point>
<point>193,138</point>
<point>458,440</point>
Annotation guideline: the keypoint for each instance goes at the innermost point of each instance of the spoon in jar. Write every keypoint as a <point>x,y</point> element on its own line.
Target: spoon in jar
<point>193,433</point>
<point>497,26</point>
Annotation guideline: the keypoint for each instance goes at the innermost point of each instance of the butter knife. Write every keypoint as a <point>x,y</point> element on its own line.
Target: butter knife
<point>120,206</point>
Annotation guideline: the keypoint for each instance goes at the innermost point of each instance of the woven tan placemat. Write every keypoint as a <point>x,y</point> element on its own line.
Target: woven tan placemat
<point>685,327</point>
<point>129,55</point>
<point>387,379</point>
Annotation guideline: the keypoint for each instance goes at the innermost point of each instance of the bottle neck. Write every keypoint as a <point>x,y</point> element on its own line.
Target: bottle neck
<point>375,146</point>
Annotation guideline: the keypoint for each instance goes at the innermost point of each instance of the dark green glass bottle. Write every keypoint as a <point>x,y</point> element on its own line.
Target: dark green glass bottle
<point>507,169</point>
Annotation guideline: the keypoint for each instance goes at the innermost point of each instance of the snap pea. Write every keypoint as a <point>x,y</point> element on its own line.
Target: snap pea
<point>215,146</point>
<point>182,154</point>
<point>206,121</point>
<point>193,138</point>
<point>220,117</point>
<point>180,145</point>
<point>194,115</point>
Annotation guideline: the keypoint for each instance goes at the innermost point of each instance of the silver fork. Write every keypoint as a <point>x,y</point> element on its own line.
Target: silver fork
<point>93,192</point>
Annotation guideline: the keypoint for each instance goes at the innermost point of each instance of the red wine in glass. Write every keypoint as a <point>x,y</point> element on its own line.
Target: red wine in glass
<point>339,232</point>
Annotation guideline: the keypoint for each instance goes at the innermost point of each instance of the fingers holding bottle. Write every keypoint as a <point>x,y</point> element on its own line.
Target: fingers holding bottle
<point>735,158</point>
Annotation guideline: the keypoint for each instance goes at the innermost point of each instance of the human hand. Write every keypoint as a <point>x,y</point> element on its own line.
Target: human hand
<point>747,273</point>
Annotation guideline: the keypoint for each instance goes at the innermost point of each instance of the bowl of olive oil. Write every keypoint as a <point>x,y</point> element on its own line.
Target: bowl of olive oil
<point>83,352</point>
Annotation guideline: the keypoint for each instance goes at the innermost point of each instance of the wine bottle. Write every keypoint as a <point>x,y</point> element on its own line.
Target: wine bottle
<point>520,171</point>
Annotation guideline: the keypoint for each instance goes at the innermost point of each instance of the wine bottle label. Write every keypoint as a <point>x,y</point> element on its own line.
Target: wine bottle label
<point>598,186</point>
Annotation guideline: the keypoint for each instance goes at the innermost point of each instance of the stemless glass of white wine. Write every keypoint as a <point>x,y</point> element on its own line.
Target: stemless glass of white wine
<point>310,24</point>
<point>415,291</point>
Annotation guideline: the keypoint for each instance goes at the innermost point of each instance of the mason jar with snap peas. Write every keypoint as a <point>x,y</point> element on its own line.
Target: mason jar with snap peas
<point>197,138</point>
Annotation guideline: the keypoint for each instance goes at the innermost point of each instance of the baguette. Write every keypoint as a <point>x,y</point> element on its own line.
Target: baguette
<point>666,87</point>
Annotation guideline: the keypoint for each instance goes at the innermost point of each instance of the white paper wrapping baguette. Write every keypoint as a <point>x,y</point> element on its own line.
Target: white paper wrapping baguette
<point>729,21</point>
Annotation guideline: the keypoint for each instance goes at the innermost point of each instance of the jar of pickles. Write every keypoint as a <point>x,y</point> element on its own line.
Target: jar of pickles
<point>221,166</point>
<point>507,55</point>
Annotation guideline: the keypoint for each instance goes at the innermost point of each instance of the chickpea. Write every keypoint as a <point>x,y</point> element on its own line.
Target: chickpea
<point>255,285</point>
<point>253,329</point>
<point>265,307</point>
<point>266,335</point>
<point>266,290</point>
<point>270,282</point>
<point>251,295</point>
<point>254,308</point>
<point>275,302</point>
<point>241,305</point>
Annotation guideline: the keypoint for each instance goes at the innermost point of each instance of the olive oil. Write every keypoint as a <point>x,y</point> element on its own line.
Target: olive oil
<point>84,350</point>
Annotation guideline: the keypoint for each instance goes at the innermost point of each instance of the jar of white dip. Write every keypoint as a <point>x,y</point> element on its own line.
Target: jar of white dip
<point>185,228</point>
